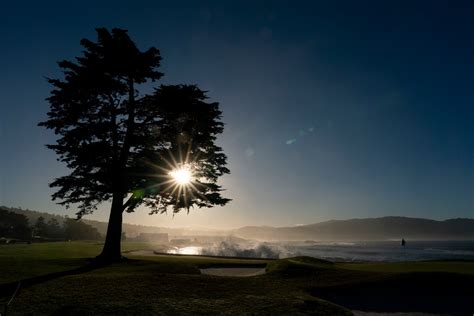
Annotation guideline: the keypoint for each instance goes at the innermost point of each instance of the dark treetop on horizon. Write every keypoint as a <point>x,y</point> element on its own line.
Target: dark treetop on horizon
<point>122,144</point>
<point>333,109</point>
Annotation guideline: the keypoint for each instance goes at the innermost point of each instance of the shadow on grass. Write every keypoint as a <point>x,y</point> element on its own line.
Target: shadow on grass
<point>8,289</point>
<point>449,293</point>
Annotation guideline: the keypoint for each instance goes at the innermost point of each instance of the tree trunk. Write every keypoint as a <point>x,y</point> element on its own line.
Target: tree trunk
<point>111,251</point>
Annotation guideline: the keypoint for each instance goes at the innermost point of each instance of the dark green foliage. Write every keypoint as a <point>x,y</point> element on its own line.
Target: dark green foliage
<point>40,228</point>
<point>54,230</point>
<point>14,225</point>
<point>92,111</point>
<point>183,131</point>
<point>77,230</point>
<point>121,144</point>
<point>50,230</point>
<point>111,136</point>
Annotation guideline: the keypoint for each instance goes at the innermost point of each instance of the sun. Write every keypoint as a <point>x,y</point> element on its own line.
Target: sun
<point>182,175</point>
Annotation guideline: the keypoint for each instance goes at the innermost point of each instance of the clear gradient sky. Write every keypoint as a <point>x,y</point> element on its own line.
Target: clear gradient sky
<point>333,109</point>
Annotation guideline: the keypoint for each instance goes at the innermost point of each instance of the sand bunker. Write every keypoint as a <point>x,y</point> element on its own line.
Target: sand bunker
<point>219,270</point>
<point>235,272</point>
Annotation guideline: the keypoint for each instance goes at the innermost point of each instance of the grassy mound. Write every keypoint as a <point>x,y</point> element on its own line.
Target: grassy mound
<point>298,266</point>
<point>464,267</point>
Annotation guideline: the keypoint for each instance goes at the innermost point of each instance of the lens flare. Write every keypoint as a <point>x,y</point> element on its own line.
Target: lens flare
<point>181,176</point>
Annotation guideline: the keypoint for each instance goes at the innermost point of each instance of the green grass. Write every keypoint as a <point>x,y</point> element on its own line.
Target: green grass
<point>303,264</point>
<point>143,288</point>
<point>25,261</point>
<point>147,285</point>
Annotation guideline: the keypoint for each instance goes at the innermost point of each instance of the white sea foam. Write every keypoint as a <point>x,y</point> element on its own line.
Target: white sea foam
<point>344,251</point>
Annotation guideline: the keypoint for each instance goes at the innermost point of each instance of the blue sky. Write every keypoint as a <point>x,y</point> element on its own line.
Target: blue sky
<point>333,110</point>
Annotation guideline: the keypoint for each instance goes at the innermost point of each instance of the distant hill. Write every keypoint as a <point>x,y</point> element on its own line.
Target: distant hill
<point>382,228</point>
<point>130,230</point>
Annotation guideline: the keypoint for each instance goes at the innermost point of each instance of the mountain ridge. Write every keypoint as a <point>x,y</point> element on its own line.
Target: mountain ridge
<point>378,228</point>
<point>354,229</point>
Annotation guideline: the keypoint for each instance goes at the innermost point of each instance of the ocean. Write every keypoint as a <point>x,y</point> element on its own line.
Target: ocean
<point>389,251</point>
<point>380,251</point>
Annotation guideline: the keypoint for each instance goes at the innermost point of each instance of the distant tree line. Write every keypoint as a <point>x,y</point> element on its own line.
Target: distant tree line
<point>16,226</point>
<point>13,225</point>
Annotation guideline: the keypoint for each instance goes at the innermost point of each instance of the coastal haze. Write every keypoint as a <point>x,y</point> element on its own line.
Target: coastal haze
<point>368,229</point>
<point>370,239</point>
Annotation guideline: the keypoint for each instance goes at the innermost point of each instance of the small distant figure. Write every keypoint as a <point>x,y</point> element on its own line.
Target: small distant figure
<point>403,242</point>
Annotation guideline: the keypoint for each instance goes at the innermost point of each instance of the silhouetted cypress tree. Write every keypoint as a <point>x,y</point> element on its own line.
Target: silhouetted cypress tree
<point>40,227</point>
<point>122,144</point>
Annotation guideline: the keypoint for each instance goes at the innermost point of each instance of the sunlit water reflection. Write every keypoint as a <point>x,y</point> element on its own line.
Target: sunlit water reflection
<point>191,250</point>
<point>357,251</point>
